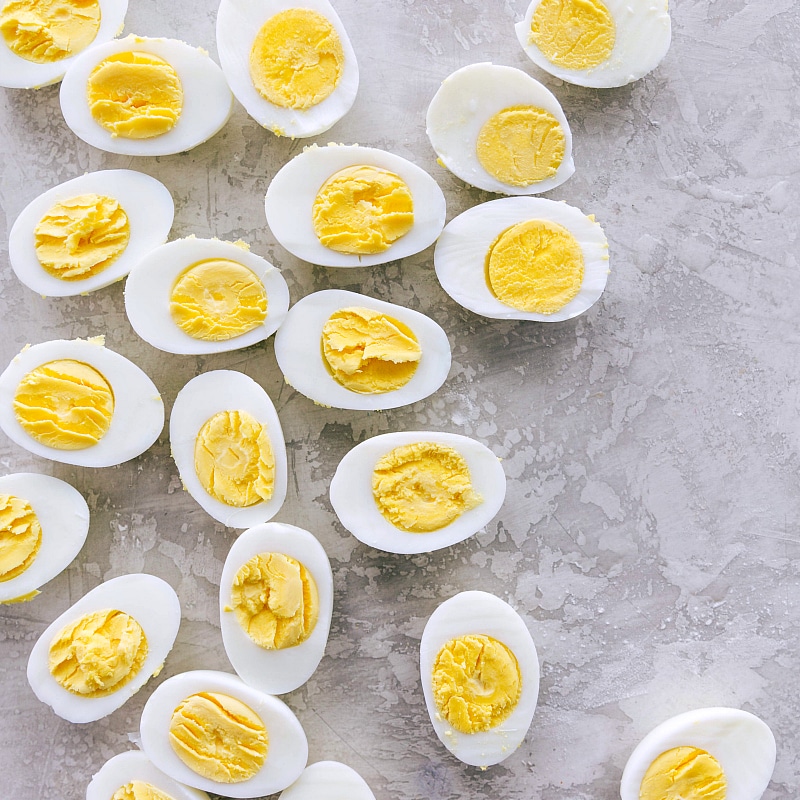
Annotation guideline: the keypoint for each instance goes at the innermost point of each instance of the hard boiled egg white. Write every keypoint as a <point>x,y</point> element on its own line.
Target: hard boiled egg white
<point>328,780</point>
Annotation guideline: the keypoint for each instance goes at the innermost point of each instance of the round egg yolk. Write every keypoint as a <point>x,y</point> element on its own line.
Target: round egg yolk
<point>476,682</point>
<point>217,300</point>
<point>369,352</point>
<point>362,210</point>
<point>233,459</point>
<point>535,266</point>
<point>20,536</point>
<point>296,59</point>
<point>135,95</point>
<point>275,600</point>
<point>573,34</point>
<point>521,145</point>
<point>98,653</point>
<point>64,404</point>
<point>684,773</point>
<point>423,486</point>
<point>219,737</point>
<point>139,790</point>
<point>45,31</point>
<point>81,236</point>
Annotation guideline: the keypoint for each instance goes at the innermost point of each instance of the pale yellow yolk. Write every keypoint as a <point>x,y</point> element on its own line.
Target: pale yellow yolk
<point>362,210</point>
<point>476,682</point>
<point>98,653</point>
<point>369,352</point>
<point>64,404</point>
<point>49,30</point>
<point>275,600</point>
<point>139,790</point>
<point>573,34</point>
<point>423,486</point>
<point>135,95</point>
<point>219,737</point>
<point>535,266</point>
<point>297,59</point>
<point>81,236</point>
<point>233,459</point>
<point>684,773</point>
<point>20,536</point>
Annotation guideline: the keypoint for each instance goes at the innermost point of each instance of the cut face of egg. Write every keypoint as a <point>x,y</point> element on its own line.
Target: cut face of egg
<point>228,445</point>
<point>276,602</point>
<point>328,780</point>
<point>523,258</point>
<point>145,97</point>
<point>43,525</point>
<point>103,649</point>
<point>347,350</point>
<point>79,403</point>
<point>88,232</point>
<point>415,492</point>
<point>352,206</point>
<point>596,43</point>
<point>212,731</point>
<point>709,753</point>
<point>500,130</point>
<point>289,63</point>
<point>480,677</point>
<point>196,296</point>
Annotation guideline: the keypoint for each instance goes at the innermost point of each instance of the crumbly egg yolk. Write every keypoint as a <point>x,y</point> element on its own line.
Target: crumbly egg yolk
<point>135,95</point>
<point>423,486</point>
<point>233,459</point>
<point>684,773</point>
<point>45,31</point>
<point>98,653</point>
<point>20,536</point>
<point>369,352</point>
<point>139,790</point>
<point>64,404</point>
<point>362,210</point>
<point>296,59</point>
<point>573,34</point>
<point>219,737</point>
<point>476,682</point>
<point>275,600</point>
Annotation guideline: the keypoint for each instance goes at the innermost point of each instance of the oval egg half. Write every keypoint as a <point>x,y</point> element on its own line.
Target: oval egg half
<point>328,780</point>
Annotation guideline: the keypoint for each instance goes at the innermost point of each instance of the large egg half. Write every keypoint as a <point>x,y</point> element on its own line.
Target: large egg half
<point>328,780</point>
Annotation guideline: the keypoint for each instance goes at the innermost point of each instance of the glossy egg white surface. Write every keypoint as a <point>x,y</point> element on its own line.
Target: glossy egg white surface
<point>328,780</point>
<point>460,255</point>
<point>291,194</point>
<point>151,601</point>
<point>288,746</point>
<point>476,612</point>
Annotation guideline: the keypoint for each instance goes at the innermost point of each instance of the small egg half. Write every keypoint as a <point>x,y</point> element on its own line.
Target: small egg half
<point>328,780</point>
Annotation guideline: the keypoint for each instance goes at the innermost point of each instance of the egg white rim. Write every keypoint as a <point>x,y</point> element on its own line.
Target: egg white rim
<point>330,779</point>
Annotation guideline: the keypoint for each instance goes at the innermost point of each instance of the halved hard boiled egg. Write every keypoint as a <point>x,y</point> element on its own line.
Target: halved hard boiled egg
<point>330,780</point>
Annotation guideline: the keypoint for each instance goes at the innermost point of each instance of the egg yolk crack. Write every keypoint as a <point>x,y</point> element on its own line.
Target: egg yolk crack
<point>684,773</point>
<point>139,790</point>
<point>20,536</point>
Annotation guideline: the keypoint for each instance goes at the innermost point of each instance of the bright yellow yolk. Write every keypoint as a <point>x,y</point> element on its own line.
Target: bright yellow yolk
<point>219,737</point>
<point>218,299</point>
<point>535,266</point>
<point>275,600</point>
<point>573,34</point>
<point>138,790</point>
<point>98,653</point>
<point>684,773</point>
<point>49,30</point>
<point>369,352</point>
<point>20,536</point>
<point>423,486</point>
<point>362,210</point>
<point>135,95</point>
<point>64,404</point>
<point>297,59</point>
<point>476,682</point>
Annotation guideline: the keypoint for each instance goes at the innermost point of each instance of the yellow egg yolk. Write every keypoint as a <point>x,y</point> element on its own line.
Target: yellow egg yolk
<point>64,404</point>
<point>573,34</point>
<point>296,59</point>
<point>81,236</point>
<point>275,600</point>
<point>20,536</point>
<point>45,31</point>
<point>219,737</point>
<point>362,210</point>
<point>135,95</point>
<point>423,486</point>
<point>139,790</point>
<point>98,653</point>
<point>476,682</point>
<point>369,352</point>
<point>684,773</point>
